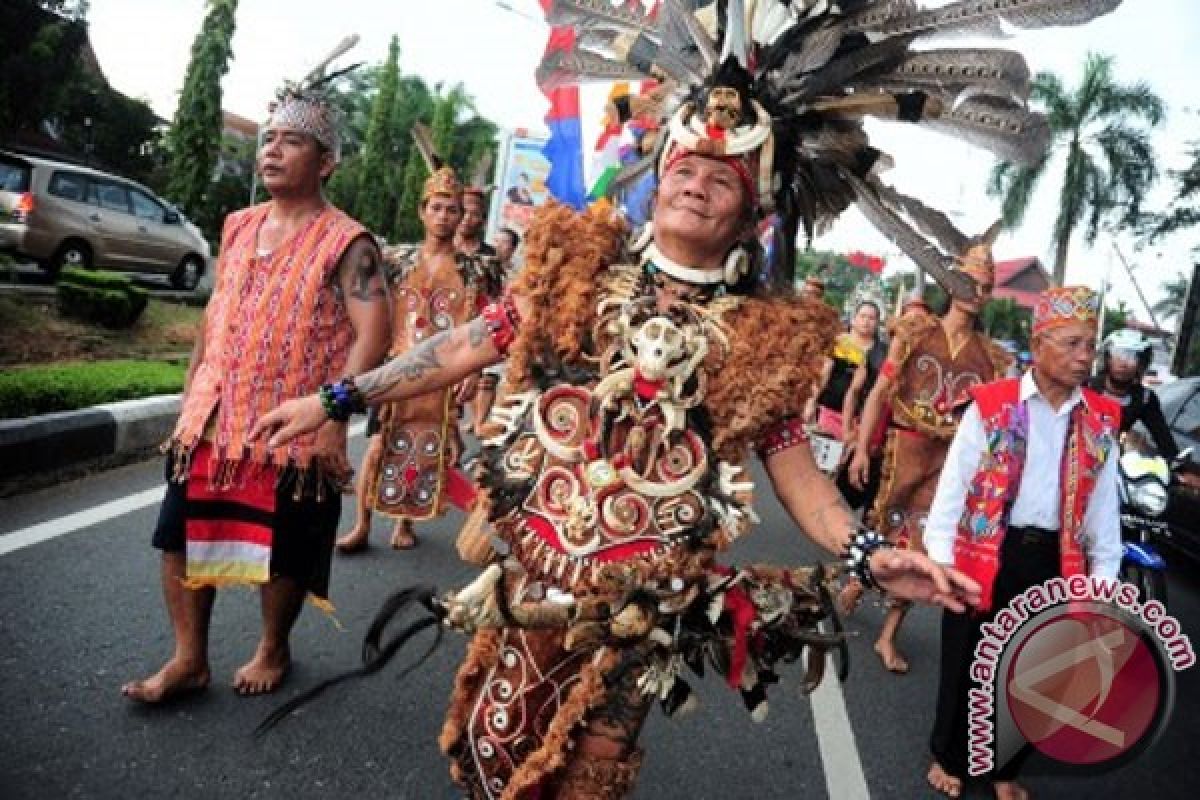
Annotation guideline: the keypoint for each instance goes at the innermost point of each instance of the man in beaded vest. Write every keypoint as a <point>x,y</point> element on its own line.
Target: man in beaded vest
<point>298,302</point>
<point>646,371</point>
<point>1028,493</point>
<point>931,366</point>
<point>410,469</point>
<point>642,382</point>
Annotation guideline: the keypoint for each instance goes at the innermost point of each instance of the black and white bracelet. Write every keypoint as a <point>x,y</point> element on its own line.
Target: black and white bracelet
<point>862,545</point>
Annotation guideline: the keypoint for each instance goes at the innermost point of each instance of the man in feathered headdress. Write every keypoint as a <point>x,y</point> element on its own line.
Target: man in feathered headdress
<point>645,372</point>
<point>299,301</point>
<point>931,366</point>
<point>410,470</point>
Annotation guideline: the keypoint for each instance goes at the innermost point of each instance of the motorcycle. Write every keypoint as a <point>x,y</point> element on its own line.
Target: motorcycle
<point>1143,488</point>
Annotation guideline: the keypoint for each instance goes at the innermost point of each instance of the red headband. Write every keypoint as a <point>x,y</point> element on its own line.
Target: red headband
<point>739,166</point>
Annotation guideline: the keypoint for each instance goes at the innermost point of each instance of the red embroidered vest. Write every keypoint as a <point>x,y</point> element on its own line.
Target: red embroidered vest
<point>275,329</point>
<point>1091,439</point>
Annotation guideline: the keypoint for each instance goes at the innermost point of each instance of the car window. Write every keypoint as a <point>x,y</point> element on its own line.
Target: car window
<point>68,185</point>
<point>144,207</point>
<point>14,176</point>
<point>110,195</point>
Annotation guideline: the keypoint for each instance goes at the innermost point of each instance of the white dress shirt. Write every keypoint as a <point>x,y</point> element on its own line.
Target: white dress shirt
<point>1038,499</point>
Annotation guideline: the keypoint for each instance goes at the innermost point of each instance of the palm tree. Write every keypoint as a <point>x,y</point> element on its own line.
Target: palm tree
<point>1109,160</point>
<point>1174,296</point>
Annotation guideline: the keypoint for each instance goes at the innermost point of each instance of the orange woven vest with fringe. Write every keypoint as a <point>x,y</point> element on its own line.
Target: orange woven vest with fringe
<point>275,329</point>
<point>1091,441</point>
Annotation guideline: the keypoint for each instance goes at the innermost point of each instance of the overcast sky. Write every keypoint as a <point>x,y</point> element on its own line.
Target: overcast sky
<point>144,46</point>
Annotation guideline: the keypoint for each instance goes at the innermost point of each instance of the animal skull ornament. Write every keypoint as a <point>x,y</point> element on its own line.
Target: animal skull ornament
<point>661,350</point>
<point>657,345</point>
<point>723,108</point>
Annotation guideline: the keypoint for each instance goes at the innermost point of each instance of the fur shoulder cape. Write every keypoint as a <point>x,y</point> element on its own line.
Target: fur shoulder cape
<point>775,343</point>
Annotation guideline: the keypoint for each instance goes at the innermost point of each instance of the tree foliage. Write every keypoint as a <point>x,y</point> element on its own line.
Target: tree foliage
<point>1100,127</point>
<point>376,179</point>
<point>1174,290</point>
<point>39,60</point>
<point>47,87</point>
<point>1183,210</point>
<point>115,132</point>
<point>390,173</point>
<point>195,136</point>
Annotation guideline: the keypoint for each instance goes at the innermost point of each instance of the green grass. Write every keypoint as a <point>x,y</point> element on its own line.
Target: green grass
<point>26,391</point>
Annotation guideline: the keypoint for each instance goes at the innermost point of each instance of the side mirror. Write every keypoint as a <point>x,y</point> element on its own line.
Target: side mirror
<point>171,218</point>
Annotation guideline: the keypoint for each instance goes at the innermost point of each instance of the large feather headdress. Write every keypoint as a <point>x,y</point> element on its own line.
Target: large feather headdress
<point>782,87</point>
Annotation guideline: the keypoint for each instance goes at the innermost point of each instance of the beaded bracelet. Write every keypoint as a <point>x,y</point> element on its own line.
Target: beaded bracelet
<point>502,320</point>
<point>342,400</point>
<point>862,545</point>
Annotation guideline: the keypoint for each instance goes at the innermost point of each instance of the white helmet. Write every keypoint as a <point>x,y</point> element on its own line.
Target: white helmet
<point>1128,345</point>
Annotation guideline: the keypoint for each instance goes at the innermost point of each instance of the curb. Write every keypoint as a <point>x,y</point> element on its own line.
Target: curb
<point>72,438</point>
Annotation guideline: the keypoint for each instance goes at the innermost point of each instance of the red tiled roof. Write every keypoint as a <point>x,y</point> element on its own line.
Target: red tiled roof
<point>1009,271</point>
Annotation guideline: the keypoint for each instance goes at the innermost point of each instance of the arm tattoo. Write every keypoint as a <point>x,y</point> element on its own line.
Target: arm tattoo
<point>366,289</point>
<point>409,367</point>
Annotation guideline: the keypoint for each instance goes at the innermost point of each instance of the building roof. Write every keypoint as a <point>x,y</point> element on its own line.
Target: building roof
<point>233,123</point>
<point>1012,271</point>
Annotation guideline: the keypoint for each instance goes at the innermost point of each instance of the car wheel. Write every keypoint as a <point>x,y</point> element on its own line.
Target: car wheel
<point>187,275</point>
<point>76,255</point>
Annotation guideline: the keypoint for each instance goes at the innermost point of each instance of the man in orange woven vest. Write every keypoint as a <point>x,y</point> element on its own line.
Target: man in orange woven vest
<point>299,302</point>
<point>1009,525</point>
<point>410,469</point>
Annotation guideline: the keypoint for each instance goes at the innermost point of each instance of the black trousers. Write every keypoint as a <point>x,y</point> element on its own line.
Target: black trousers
<point>1028,557</point>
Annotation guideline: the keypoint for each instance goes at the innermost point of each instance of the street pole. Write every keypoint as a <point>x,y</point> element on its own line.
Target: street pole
<point>1137,287</point>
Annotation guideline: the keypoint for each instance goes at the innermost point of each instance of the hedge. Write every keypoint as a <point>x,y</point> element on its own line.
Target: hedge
<point>27,391</point>
<point>105,298</point>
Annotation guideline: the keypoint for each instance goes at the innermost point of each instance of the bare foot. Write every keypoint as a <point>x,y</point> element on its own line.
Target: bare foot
<point>850,597</point>
<point>353,542</point>
<point>892,660</point>
<point>403,537</point>
<point>264,673</point>
<point>175,678</point>
<point>1010,790</point>
<point>943,781</point>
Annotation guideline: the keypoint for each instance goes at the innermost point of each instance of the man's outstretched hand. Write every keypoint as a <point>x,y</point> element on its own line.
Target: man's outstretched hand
<point>293,418</point>
<point>909,575</point>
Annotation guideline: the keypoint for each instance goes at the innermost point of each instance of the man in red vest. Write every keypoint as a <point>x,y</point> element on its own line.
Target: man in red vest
<point>1010,528</point>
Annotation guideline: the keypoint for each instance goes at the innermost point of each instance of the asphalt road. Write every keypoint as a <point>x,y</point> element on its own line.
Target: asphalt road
<point>81,613</point>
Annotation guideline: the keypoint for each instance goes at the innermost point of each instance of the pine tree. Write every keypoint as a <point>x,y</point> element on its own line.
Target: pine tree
<point>194,140</point>
<point>376,205</point>
<point>445,119</point>
<point>408,225</point>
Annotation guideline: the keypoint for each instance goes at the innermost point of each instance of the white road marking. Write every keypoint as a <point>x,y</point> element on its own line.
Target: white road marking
<point>844,778</point>
<point>95,515</point>
<point>70,523</point>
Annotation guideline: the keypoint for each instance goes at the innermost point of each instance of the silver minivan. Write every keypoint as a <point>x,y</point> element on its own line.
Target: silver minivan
<point>64,215</point>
